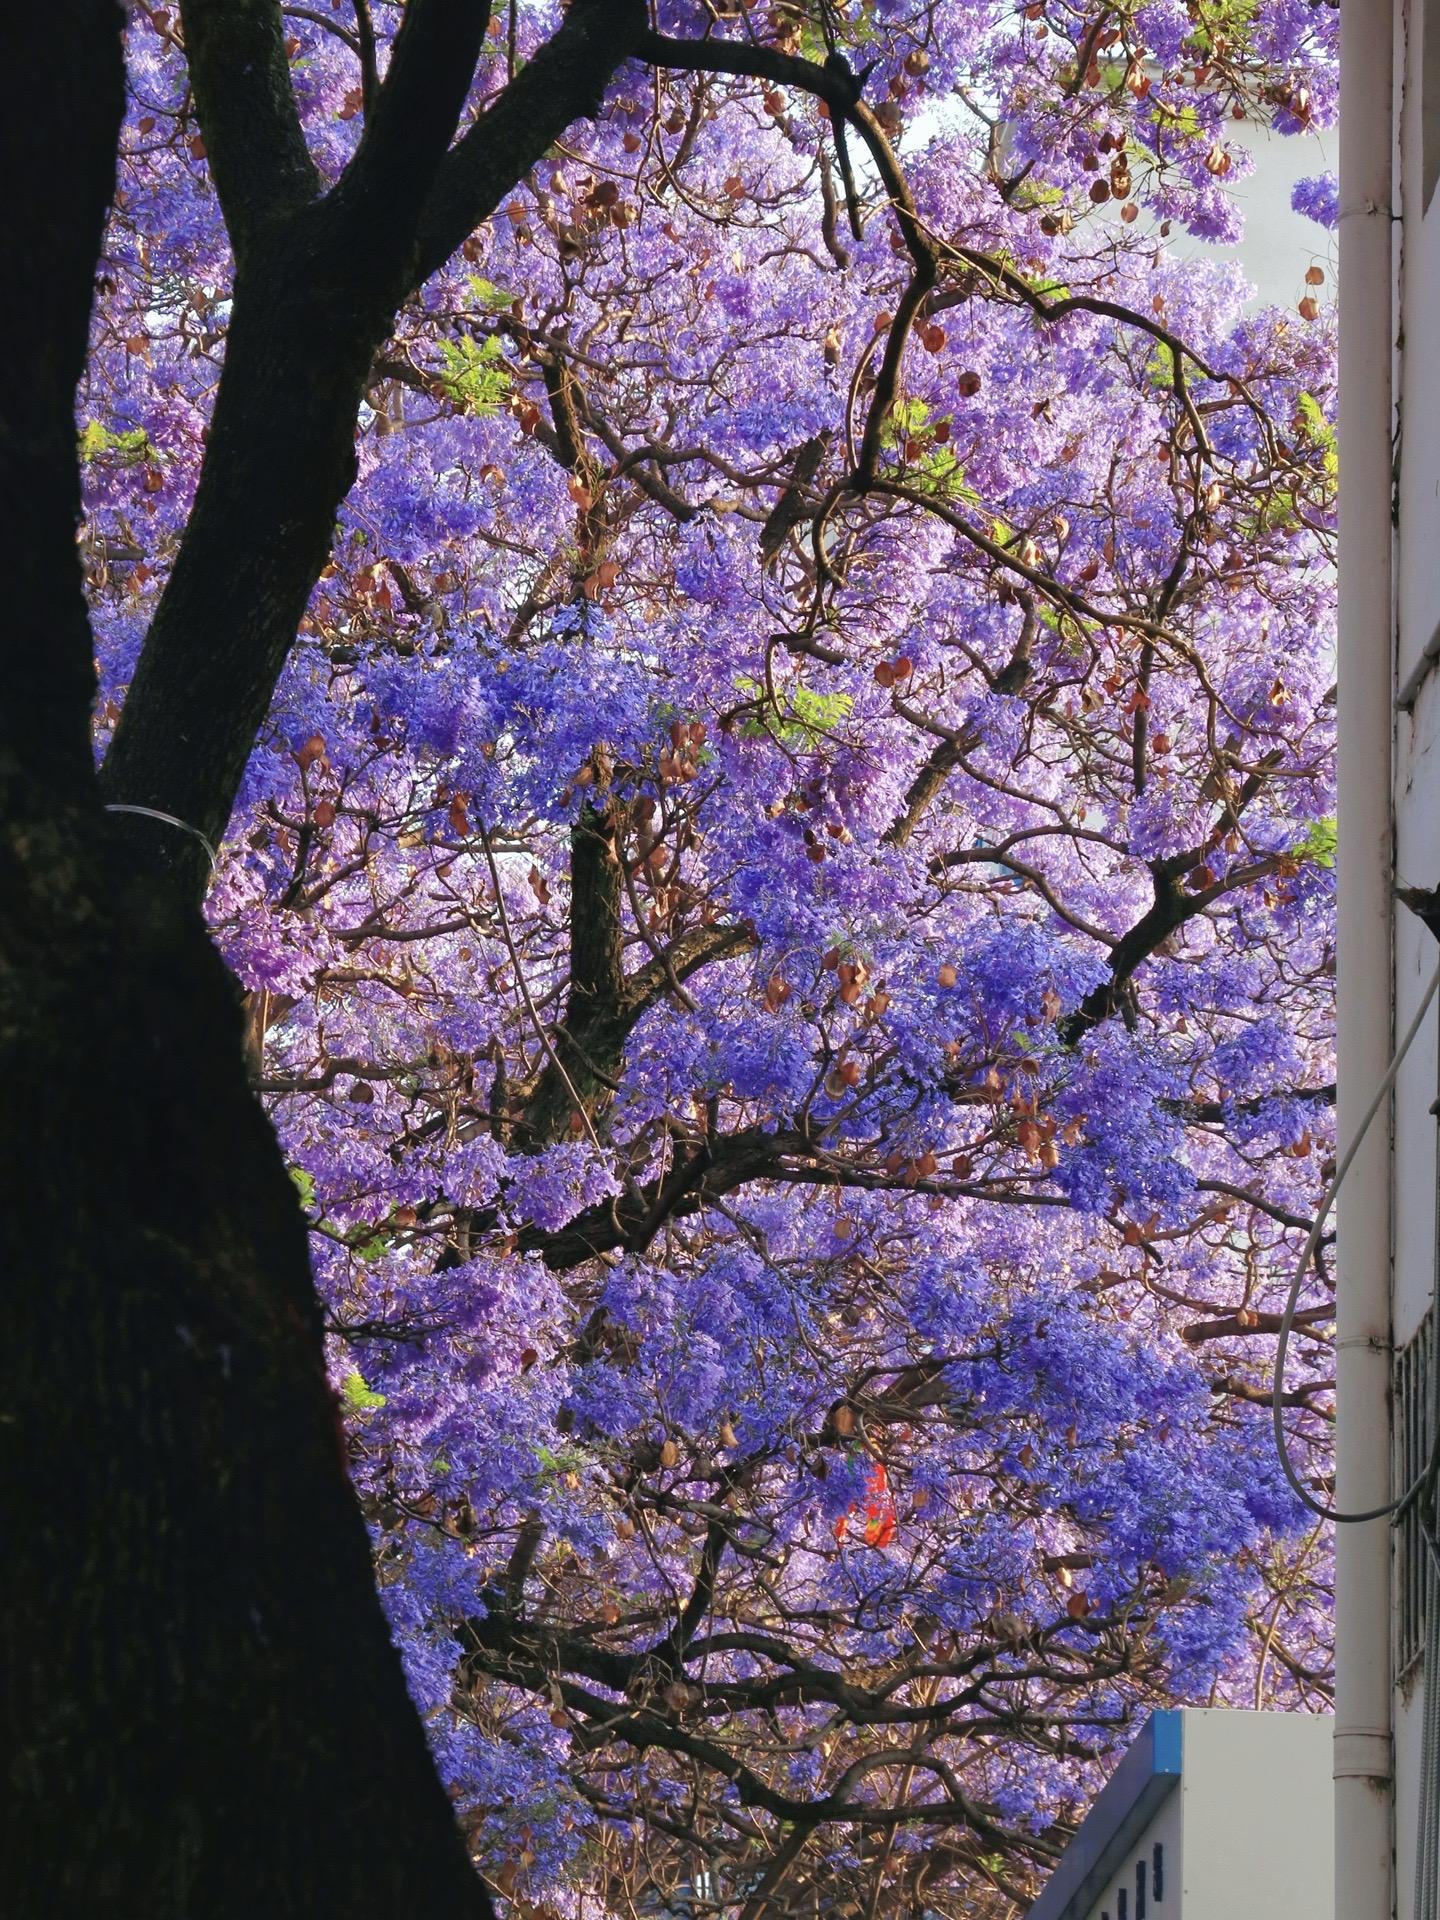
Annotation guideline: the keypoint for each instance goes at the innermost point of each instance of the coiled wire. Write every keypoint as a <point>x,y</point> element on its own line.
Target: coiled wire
<point>1419,1494</point>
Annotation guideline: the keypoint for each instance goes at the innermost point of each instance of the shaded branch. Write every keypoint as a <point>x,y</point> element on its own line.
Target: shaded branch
<point>565,81</point>
<point>409,127</point>
<point>1200,1112</point>
<point>604,1002</point>
<point>1173,907</point>
<point>261,166</point>
<point>927,786</point>
<point>836,87</point>
<point>713,1169</point>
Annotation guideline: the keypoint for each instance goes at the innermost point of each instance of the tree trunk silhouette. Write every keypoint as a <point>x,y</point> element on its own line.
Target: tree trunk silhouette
<point>200,1707</point>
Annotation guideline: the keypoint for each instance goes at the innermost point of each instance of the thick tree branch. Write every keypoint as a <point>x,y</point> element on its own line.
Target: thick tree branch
<point>1261,1395</point>
<point>410,126</point>
<point>1173,907</point>
<point>312,309</point>
<point>1234,1327</point>
<point>588,1045</point>
<point>565,81</point>
<point>235,50</point>
<point>834,85</point>
<point>713,1169</point>
<point>928,784</point>
<point>686,954</point>
<point>604,1002</point>
<point>633,1220</point>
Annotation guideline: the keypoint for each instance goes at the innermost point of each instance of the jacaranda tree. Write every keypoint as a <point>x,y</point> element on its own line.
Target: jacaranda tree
<point>734,655</point>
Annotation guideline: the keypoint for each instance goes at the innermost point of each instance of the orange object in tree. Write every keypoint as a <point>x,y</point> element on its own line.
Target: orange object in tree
<point>879,1510</point>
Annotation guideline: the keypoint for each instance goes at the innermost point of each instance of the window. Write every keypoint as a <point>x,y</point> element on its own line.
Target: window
<point>1415,1415</point>
<point>1122,1905</point>
<point>1157,1873</point>
<point>1139,1890</point>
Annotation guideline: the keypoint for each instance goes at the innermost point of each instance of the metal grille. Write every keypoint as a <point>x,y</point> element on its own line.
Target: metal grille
<point>1414,1431</point>
<point>1417,1561</point>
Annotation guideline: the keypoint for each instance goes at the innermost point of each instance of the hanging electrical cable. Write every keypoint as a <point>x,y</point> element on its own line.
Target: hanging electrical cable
<point>1287,1319</point>
<point>1417,1496</point>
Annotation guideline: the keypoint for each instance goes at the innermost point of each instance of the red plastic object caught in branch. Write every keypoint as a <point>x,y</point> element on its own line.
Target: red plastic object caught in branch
<point>879,1528</point>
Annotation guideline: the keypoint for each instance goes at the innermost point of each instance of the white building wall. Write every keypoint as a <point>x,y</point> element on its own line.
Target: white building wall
<point>1248,1832</point>
<point>1417,859</point>
<point>1418,370</point>
<point>1416,768</point>
<point>1257,1817</point>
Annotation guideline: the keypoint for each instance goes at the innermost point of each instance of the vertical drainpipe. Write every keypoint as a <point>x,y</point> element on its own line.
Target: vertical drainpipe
<point>1364,1886</point>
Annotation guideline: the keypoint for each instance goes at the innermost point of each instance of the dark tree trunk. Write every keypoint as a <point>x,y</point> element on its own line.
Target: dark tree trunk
<point>280,459</point>
<point>206,1716</point>
<point>200,1708</point>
